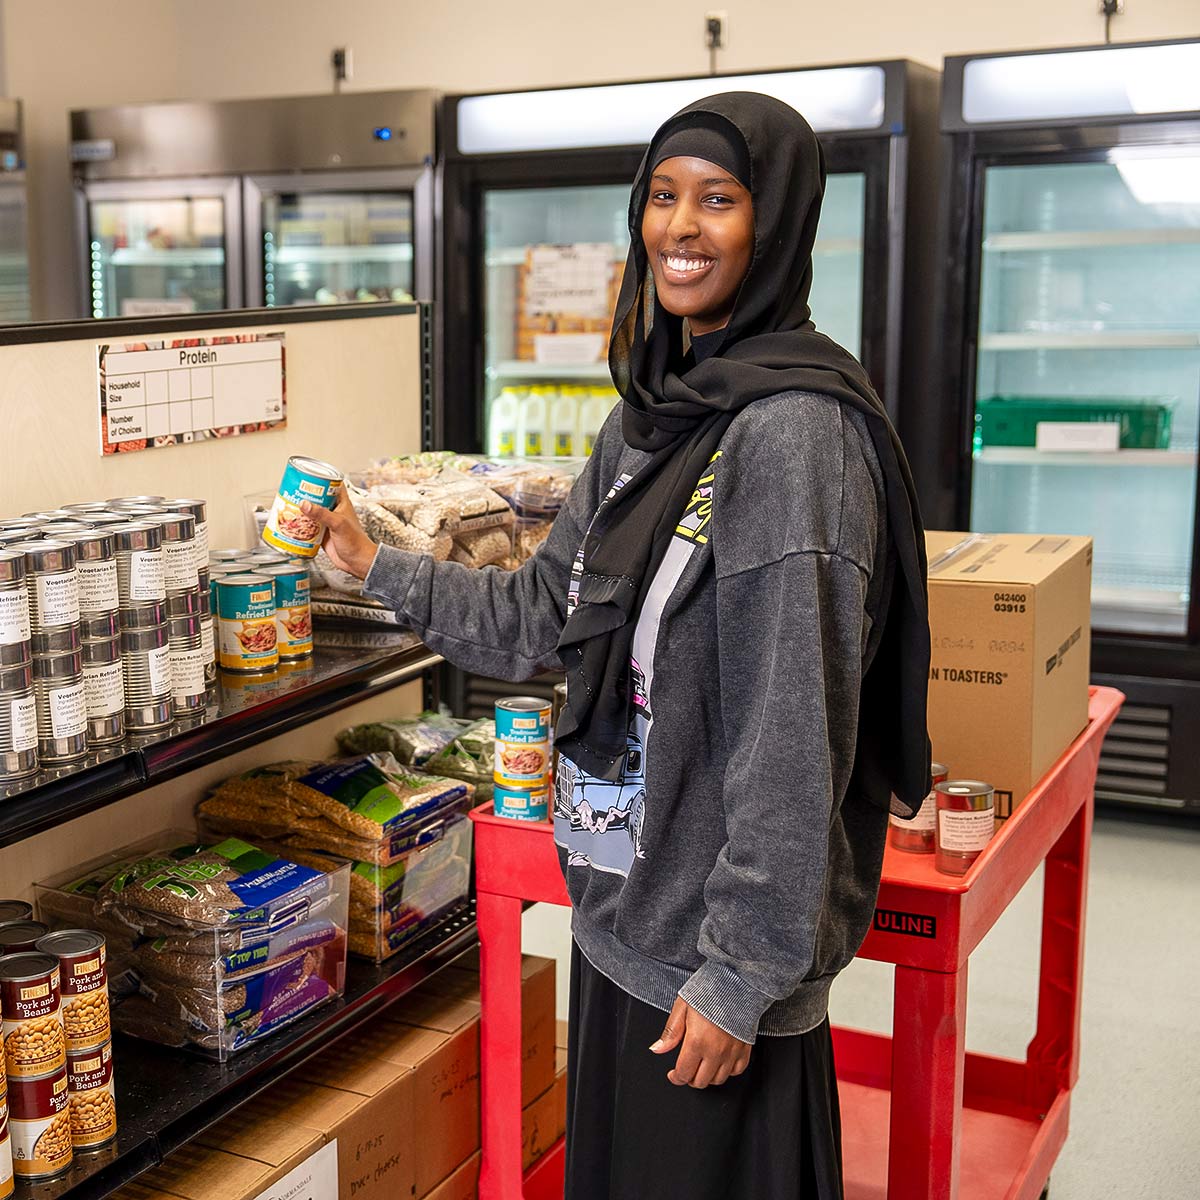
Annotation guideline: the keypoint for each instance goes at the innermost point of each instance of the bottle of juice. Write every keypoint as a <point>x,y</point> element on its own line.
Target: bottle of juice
<point>594,412</point>
<point>533,415</point>
<point>564,422</point>
<point>502,423</point>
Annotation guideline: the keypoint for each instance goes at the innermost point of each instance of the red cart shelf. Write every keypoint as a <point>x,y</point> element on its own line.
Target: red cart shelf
<point>922,1119</point>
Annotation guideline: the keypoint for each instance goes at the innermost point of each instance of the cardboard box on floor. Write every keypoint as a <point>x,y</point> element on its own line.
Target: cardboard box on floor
<point>1009,618</point>
<point>196,1172</point>
<point>463,1184</point>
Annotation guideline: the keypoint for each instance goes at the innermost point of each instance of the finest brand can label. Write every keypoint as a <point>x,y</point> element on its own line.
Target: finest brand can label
<point>287,528</point>
<point>93,1104</point>
<point>83,984</point>
<point>34,1039</point>
<point>246,623</point>
<point>293,614</point>
<point>41,1143</point>
<point>522,762</point>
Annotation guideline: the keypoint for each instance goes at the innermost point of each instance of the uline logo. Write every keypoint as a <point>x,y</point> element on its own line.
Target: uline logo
<point>888,920</point>
<point>1056,659</point>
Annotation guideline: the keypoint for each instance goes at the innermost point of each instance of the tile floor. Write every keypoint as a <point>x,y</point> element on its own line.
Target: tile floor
<point>1135,1119</point>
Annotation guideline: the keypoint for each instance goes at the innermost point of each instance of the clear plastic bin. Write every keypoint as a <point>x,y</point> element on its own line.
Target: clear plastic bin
<point>213,944</point>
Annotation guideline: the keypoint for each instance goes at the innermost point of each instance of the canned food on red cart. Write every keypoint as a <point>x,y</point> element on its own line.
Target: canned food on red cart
<point>7,1187</point>
<point>93,1101</point>
<point>34,1040</point>
<point>40,1125</point>
<point>522,761</point>
<point>246,623</point>
<point>83,985</point>
<point>919,835</point>
<point>287,527</point>
<point>293,614</point>
<point>18,936</point>
<point>966,820</point>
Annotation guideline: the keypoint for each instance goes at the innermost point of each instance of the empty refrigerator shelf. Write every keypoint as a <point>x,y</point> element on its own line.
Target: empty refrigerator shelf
<point>382,252</point>
<point>596,372</point>
<point>149,256</point>
<point>1088,239</point>
<point>1093,340</point>
<point>1025,456</point>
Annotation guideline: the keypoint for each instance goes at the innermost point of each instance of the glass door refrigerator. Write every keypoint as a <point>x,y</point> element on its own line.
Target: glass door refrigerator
<point>535,193</point>
<point>15,307</point>
<point>1072,363</point>
<point>276,202</point>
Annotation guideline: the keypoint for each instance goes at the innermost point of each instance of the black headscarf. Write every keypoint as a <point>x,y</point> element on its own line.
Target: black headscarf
<point>679,412</point>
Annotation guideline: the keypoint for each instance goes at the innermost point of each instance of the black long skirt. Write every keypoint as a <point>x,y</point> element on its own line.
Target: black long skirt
<point>772,1133</point>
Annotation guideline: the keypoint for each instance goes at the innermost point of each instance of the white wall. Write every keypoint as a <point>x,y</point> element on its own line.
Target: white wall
<point>64,54</point>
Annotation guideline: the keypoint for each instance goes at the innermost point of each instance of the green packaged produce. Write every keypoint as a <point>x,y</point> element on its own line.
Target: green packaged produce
<point>1144,421</point>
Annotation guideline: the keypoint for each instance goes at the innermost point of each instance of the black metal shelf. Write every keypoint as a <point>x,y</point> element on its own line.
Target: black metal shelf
<point>244,711</point>
<point>166,1097</point>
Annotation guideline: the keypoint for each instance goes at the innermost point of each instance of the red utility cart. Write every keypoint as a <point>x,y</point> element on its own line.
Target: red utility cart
<point>962,1125</point>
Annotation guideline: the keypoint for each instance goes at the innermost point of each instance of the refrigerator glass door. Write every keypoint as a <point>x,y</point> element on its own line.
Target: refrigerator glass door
<point>1087,397</point>
<point>836,297</point>
<point>157,255</point>
<point>553,259</point>
<point>337,247</point>
<point>14,255</point>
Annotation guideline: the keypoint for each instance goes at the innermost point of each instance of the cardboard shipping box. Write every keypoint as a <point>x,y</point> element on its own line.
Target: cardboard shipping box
<point>1009,618</point>
<point>196,1172</point>
<point>463,1184</point>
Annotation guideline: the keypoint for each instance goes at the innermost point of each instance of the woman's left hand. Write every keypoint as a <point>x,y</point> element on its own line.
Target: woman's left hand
<point>709,1055</point>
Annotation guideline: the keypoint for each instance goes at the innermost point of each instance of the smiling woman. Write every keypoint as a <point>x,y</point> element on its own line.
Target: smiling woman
<point>698,228</point>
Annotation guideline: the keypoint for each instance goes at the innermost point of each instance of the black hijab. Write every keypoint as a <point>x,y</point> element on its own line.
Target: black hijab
<point>678,413</point>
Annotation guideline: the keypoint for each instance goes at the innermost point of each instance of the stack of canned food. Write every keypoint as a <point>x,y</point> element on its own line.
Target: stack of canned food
<point>57,1046</point>
<point>105,626</point>
<point>955,823</point>
<point>264,619</point>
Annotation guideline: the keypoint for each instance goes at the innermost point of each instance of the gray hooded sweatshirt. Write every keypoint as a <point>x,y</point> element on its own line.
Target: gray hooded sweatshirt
<point>731,864</point>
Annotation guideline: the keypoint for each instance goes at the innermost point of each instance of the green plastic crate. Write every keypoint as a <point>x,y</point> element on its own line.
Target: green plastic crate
<point>1145,421</point>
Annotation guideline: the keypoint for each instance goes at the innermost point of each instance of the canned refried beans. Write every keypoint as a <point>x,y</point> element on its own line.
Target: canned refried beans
<point>966,814</point>
<point>287,528</point>
<point>40,1124</point>
<point>34,1041</point>
<point>246,632</point>
<point>522,763</point>
<point>93,1102</point>
<point>53,595</point>
<point>83,985</point>
<point>918,835</point>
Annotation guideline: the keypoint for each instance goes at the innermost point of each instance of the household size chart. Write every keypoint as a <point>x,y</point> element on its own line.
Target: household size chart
<point>168,394</point>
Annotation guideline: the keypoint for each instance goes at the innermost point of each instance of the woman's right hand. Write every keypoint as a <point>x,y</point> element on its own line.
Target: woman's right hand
<point>345,541</point>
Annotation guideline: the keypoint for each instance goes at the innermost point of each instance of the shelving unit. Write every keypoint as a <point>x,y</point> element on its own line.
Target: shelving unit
<point>1116,339</point>
<point>165,1097</point>
<point>184,256</point>
<point>1088,239</point>
<point>583,372</point>
<point>387,252</point>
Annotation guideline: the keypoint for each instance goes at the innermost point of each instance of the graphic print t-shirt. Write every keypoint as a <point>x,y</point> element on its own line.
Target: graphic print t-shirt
<point>597,821</point>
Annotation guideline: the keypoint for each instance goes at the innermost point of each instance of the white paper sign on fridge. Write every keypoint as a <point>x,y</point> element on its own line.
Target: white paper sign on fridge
<point>1097,437</point>
<point>569,279</point>
<point>316,1178</point>
<point>569,349</point>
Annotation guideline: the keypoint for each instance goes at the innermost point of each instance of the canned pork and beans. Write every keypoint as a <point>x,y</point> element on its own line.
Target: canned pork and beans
<point>111,618</point>
<point>56,1072</point>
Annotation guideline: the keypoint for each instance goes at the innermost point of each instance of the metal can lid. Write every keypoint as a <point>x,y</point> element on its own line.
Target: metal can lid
<point>26,965</point>
<point>53,529</point>
<point>95,545</point>
<point>965,787</point>
<point>12,565</point>
<point>246,578</point>
<point>138,535</point>
<point>63,943</point>
<point>227,555</point>
<point>49,514</point>
<point>937,768</point>
<point>195,508</point>
<point>46,557</point>
<point>176,527</point>
<point>14,933</point>
<point>314,466</point>
<point>15,910</point>
<point>284,569</point>
<point>85,506</point>
<point>66,664</point>
<point>102,520</point>
<point>523,704</point>
<point>125,501</point>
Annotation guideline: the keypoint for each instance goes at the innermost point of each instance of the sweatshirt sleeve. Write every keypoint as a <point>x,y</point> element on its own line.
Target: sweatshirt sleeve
<point>789,703</point>
<point>505,624</point>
